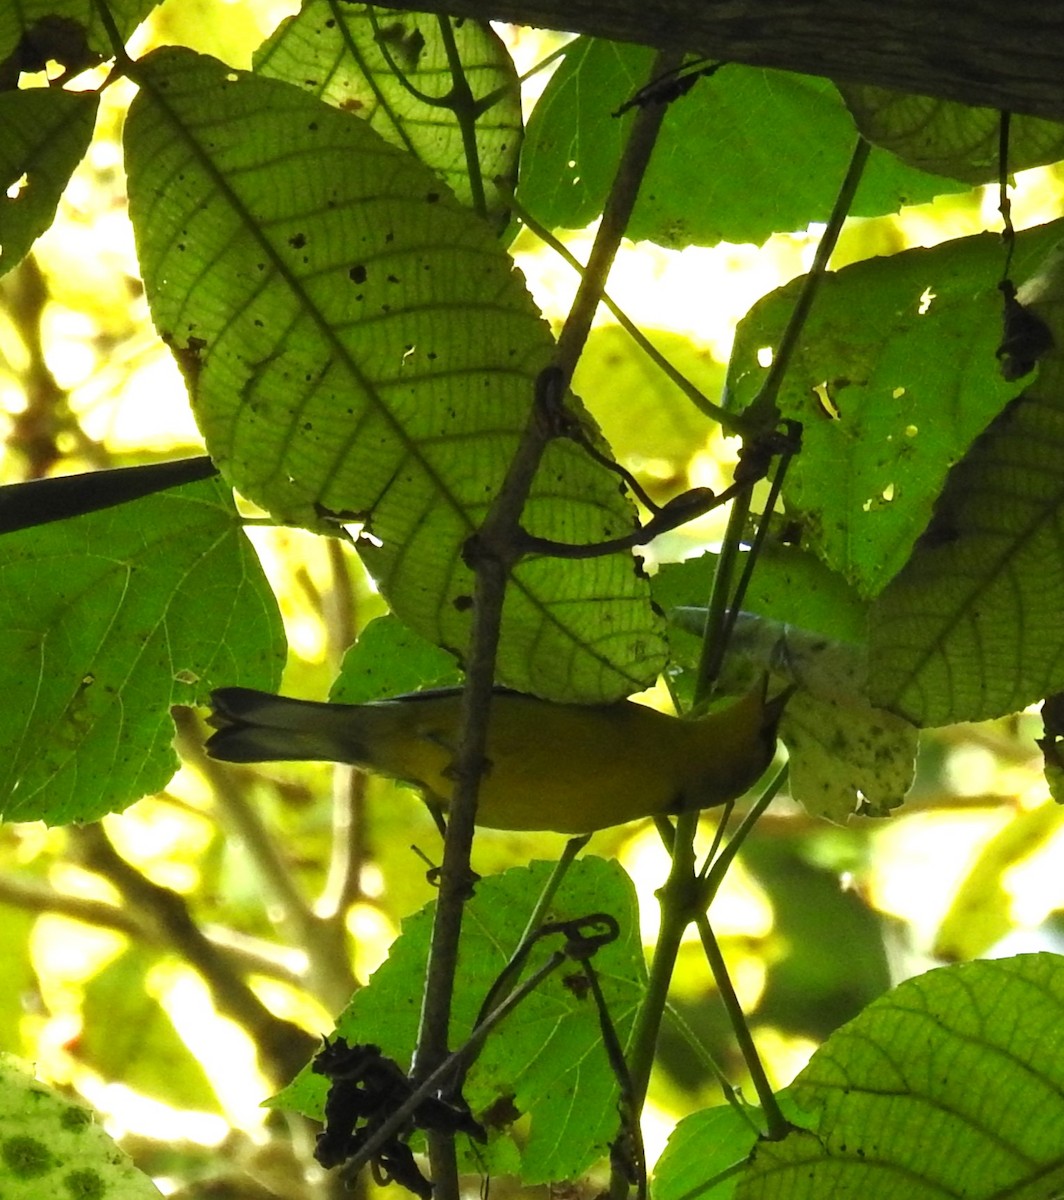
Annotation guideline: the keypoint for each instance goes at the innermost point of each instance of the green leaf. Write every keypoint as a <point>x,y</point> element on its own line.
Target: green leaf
<point>46,133</point>
<point>703,1147</point>
<point>108,619</point>
<point>707,1149</point>
<point>50,1147</point>
<point>947,1086</point>
<point>895,377</point>
<point>127,1036</point>
<point>948,138</point>
<point>735,160</point>
<point>395,70</point>
<point>360,348</point>
<point>547,1058</point>
<point>389,659</point>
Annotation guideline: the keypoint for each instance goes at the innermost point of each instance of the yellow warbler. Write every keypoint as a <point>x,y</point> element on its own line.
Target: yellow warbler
<point>572,768</point>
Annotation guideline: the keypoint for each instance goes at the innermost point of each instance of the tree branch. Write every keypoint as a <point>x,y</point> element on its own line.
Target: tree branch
<point>1008,56</point>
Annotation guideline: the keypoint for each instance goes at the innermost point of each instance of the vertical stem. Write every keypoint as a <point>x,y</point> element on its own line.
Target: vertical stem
<point>492,559</point>
<point>713,642</point>
<point>675,896</point>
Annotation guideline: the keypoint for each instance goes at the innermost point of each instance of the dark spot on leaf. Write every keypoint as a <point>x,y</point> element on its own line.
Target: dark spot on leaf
<point>351,105</point>
<point>297,241</point>
<point>357,274</point>
<point>189,357</point>
<point>463,603</point>
<point>51,39</point>
<point>74,1117</point>
<point>313,126</point>
<point>576,984</point>
<point>330,23</point>
<point>393,279</point>
<point>26,1157</point>
<point>433,197</point>
<point>84,1185</point>
<point>389,236</point>
<point>500,1113</point>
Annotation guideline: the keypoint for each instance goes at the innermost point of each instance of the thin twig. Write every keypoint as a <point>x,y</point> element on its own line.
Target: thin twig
<point>777,1123</point>
<point>728,421</point>
<point>763,410</point>
<point>713,644</point>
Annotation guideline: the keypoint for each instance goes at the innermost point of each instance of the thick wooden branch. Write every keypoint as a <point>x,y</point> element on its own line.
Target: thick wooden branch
<point>984,52</point>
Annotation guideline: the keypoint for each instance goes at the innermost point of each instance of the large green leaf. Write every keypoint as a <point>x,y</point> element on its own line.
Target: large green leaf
<point>747,153</point>
<point>949,138</point>
<point>45,134</point>
<point>107,620</point>
<point>52,1148</point>
<point>397,70</point>
<point>949,1085</point>
<point>547,1058</point>
<point>894,378</point>
<point>359,346</point>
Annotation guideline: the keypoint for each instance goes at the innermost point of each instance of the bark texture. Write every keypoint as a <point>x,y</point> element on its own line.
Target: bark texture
<point>983,52</point>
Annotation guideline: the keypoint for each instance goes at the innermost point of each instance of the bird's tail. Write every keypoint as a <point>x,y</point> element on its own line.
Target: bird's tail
<point>255,726</point>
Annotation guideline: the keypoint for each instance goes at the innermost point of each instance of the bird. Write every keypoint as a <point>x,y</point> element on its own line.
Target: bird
<point>567,768</point>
